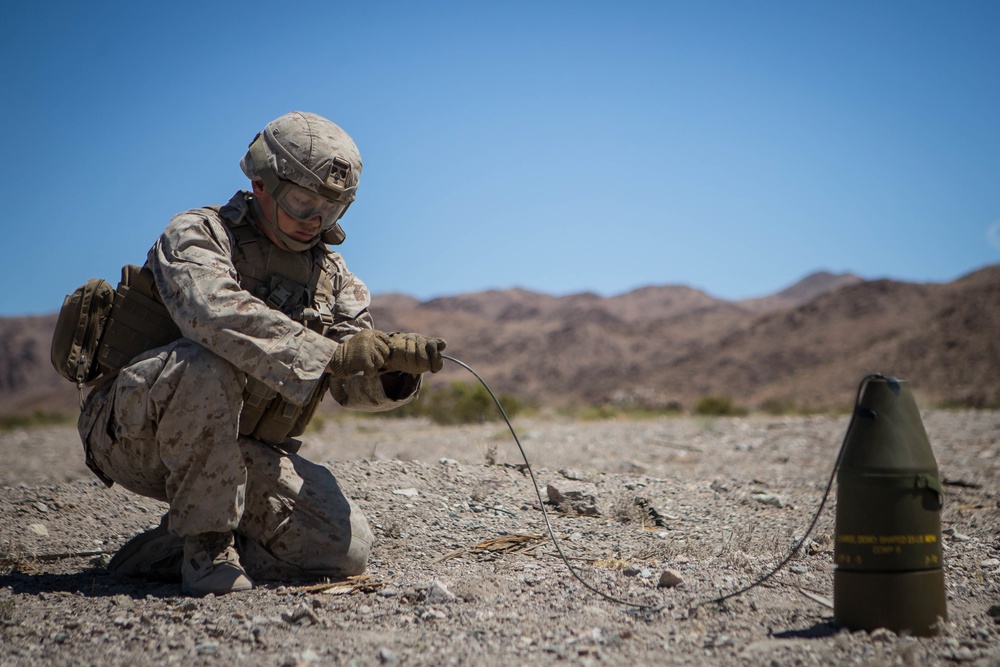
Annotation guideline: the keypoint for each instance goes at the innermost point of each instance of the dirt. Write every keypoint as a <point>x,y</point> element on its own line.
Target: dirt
<point>462,573</point>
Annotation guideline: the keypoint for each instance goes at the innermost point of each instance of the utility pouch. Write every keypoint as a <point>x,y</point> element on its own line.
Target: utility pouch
<point>78,331</point>
<point>256,397</point>
<point>139,320</point>
<point>271,419</point>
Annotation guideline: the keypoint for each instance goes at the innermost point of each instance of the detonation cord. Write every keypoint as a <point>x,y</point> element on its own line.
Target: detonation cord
<point>655,608</point>
<point>541,503</point>
<point>812,524</point>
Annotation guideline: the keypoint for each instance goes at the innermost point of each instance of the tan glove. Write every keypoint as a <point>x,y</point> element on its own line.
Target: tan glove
<point>364,353</point>
<point>415,354</point>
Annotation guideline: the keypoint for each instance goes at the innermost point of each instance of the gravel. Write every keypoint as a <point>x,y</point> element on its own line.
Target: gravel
<point>667,512</point>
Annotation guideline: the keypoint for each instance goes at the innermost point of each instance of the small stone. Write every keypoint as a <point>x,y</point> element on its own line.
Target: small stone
<point>38,529</point>
<point>990,562</point>
<point>430,614</point>
<point>883,635</point>
<point>670,579</point>
<point>576,475</point>
<point>387,657</point>
<point>959,537</point>
<point>631,570</point>
<point>438,592</point>
<point>409,493</point>
<point>448,462</point>
<point>301,615</point>
<point>768,498</point>
<point>41,507</point>
<point>208,648</point>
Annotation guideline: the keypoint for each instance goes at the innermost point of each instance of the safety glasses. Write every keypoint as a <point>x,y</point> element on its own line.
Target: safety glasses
<point>304,204</point>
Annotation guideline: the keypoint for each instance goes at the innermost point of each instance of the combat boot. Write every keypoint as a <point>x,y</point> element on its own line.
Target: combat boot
<point>212,565</point>
<point>154,554</point>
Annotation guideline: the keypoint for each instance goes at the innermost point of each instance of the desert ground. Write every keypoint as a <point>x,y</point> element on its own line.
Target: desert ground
<point>666,512</point>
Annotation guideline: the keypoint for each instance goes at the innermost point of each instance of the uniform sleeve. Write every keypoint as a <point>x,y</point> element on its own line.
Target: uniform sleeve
<point>351,314</point>
<point>193,267</point>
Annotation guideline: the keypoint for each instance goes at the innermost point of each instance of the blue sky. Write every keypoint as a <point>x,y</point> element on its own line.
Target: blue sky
<point>561,147</point>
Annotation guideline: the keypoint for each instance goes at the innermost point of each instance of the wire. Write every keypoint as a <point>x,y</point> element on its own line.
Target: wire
<point>816,515</point>
<point>541,503</point>
<point>655,608</point>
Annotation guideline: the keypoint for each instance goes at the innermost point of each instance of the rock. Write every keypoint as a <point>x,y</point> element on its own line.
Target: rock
<point>387,657</point>
<point>575,475</point>
<point>409,493</point>
<point>670,579</point>
<point>38,529</point>
<point>768,498</point>
<point>208,648</point>
<point>573,502</point>
<point>448,462</point>
<point>300,615</point>
<point>883,635</point>
<point>990,562</point>
<point>438,592</point>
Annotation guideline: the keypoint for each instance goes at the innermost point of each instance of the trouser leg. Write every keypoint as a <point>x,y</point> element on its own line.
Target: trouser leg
<point>297,522</point>
<point>166,428</point>
<point>172,435</point>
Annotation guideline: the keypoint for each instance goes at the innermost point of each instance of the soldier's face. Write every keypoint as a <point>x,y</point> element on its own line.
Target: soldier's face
<point>300,230</point>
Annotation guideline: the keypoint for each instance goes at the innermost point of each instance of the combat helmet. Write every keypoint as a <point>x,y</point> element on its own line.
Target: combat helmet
<point>311,167</point>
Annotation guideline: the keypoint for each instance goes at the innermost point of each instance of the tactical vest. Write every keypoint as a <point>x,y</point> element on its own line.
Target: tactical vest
<point>302,285</point>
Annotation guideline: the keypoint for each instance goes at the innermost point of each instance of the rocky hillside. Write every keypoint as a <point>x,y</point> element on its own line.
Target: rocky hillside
<point>806,346</point>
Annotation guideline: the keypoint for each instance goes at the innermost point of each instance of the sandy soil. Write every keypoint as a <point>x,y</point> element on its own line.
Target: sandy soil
<point>453,580</point>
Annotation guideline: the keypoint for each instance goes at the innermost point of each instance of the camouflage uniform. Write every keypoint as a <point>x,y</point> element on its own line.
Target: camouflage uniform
<point>167,426</point>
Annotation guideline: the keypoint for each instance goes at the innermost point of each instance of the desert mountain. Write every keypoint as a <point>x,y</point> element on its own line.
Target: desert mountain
<point>806,346</point>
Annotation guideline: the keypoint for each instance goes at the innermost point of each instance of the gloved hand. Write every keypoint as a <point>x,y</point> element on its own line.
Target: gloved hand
<point>413,353</point>
<point>363,353</point>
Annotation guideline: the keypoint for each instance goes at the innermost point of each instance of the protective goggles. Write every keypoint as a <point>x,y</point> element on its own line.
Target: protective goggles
<point>304,204</point>
<point>331,195</point>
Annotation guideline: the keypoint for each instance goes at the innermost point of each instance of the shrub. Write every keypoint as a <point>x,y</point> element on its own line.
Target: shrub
<point>717,406</point>
<point>458,403</point>
<point>777,407</point>
<point>35,419</point>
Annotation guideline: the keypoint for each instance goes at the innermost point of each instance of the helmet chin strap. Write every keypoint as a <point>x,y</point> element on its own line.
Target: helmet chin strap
<point>284,241</point>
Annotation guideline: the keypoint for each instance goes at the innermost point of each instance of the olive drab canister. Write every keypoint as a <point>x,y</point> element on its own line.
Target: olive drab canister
<point>887,546</point>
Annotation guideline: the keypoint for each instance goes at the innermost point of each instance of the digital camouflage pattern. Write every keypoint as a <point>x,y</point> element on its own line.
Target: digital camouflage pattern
<point>167,426</point>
